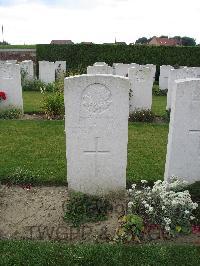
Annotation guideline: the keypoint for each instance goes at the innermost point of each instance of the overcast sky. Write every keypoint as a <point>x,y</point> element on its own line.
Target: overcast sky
<point>40,21</point>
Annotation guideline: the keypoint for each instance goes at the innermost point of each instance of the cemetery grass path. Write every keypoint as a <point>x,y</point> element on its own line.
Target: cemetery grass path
<point>48,253</point>
<point>38,149</point>
<point>33,99</point>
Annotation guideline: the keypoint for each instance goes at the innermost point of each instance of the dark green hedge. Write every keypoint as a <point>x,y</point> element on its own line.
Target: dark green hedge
<point>80,55</point>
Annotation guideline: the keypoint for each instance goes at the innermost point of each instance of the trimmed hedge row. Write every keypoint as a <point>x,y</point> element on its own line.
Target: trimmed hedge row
<point>81,55</point>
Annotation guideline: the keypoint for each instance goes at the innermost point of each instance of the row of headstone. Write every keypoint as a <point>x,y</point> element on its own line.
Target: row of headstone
<point>26,67</point>
<point>118,69</point>
<point>49,71</point>
<point>96,126</point>
<point>10,85</point>
<point>141,78</point>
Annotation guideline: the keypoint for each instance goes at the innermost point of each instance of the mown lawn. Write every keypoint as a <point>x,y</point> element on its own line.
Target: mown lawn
<point>159,105</point>
<point>46,253</point>
<point>33,102</point>
<point>38,148</point>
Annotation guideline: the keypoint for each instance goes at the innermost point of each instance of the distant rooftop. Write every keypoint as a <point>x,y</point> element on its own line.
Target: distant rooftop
<point>61,42</point>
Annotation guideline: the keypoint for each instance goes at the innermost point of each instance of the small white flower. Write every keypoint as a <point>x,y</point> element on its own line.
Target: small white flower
<point>144,181</point>
<point>192,217</point>
<point>130,190</point>
<point>186,212</point>
<point>144,202</point>
<point>194,206</point>
<point>150,209</point>
<point>163,208</point>
<point>167,220</point>
<point>167,228</point>
<point>146,205</point>
<point>133,186</point>
<point>130,204</point>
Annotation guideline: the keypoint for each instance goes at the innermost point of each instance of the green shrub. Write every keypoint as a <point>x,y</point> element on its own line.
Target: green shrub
<point>82,208</point>
<point>53,105</point>
<point>194,190</point>
<point>13,113</point>
<point>36,85</point>
<point>80,55</point>
<point>130,229</point>
<point>158,92</point>
<point>142,116</point>
<point>167,115</point>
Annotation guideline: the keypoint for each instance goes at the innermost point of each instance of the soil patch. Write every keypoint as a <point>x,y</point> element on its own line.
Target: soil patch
<point>37,214</point>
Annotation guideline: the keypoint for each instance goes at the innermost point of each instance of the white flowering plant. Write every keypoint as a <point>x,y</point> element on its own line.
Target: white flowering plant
<point>165,204</point>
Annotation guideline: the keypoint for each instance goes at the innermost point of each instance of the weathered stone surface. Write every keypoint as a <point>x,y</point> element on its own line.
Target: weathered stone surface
<point>47,71</point>
<point>60,68</point>
<point>153,69</point>
<point>28,69</point>
<point>176,74</point>
<point>141,88</point>
<point>96,123</point>
<point>164,74</point>
<point>122,69</point>
<point>99,69</point>
<point>100,64</point>
<point>183,150</point>
<point>10,83</point>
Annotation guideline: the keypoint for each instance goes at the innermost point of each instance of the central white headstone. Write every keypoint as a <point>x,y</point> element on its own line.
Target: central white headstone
<point>183,150</point>
<point>96,124</point>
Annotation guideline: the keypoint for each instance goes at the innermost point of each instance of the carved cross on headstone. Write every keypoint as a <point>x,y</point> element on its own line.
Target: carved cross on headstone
<point>96,152</point>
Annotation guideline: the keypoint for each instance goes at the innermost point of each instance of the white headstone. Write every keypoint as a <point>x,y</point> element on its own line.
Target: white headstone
<point>27,67</point>
<point>10,84</point>
<point>100,64</point>
<point>141,88</point>
<point>96,125</point>
<point>196,70</point>
<point>153,69</point>
<point>47,71</point>
<point>183,150</point>
<point>99,69</point>
<point>60,67</point>
<point>176,74</point>
<point>121,69</point>
<point>11,61</point>
<point>164,74</point>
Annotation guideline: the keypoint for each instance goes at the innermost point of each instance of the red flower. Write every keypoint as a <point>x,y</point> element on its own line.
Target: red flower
<point>2,95</point>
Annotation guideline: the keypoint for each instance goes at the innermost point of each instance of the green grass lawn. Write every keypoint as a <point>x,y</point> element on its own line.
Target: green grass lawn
<point>32,103</point>
<point>38,148</point>
<point>159,105</point>
<point>46,253</point>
